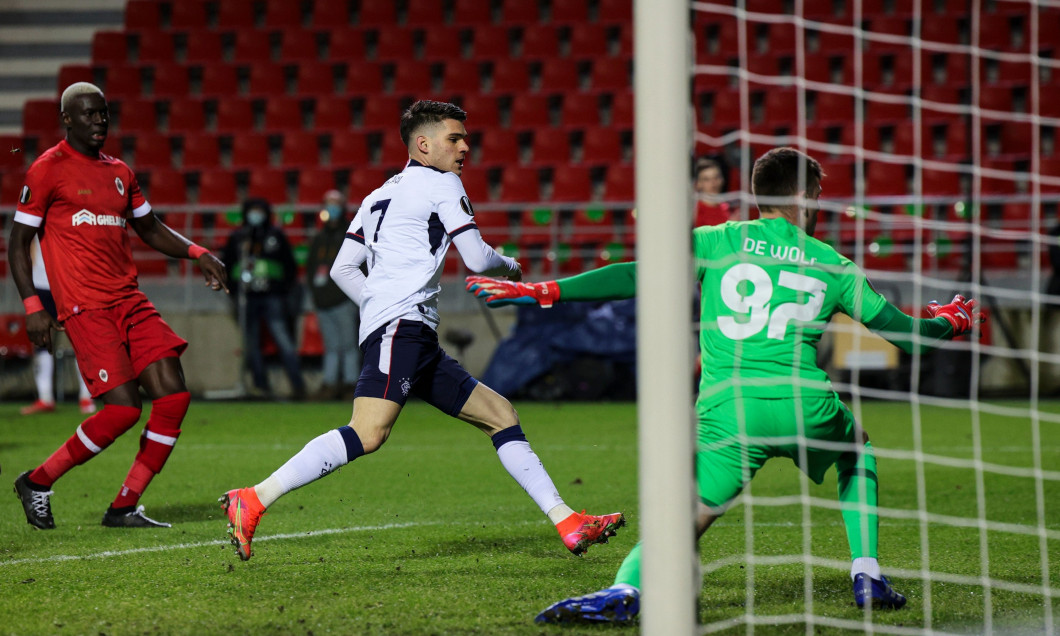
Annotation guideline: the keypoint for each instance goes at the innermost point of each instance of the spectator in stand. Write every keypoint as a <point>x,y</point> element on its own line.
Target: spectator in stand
<point>336,313</point>
<point>709,183</point>
<point>43,360</point>
<point>261,267</point>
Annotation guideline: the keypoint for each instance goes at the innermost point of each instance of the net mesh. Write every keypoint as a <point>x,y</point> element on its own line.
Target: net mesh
<point>935,122</point>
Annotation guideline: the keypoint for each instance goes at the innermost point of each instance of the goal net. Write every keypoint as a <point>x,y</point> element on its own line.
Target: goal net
<point>935,122</point>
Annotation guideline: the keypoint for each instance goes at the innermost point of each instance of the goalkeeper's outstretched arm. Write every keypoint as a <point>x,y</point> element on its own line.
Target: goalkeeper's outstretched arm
<point>921,335</point>
<point>612,282</point>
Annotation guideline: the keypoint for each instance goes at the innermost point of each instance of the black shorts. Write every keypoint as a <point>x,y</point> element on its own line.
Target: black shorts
<point>403,358</point>
<point>48,301</point>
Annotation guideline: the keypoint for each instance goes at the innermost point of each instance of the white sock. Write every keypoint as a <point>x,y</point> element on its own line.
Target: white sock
<point>865,565</point>
<point>559,513</point>
<point>43,376</point>
<point>321,456</point>
<point>523,465</point>
<point>625,586</point>
<point>82,389</point>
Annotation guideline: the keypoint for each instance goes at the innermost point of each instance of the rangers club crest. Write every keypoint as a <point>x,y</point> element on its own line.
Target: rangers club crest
<point>119,185</point>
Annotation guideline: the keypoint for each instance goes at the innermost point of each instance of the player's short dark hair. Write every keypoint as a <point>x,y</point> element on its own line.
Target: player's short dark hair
<point>426,111</point>
<point>777,173</point>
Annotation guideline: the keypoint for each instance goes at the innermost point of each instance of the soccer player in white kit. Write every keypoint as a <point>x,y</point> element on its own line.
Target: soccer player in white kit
<point>400,236</point>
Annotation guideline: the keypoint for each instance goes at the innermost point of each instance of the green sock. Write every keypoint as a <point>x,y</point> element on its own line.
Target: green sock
<point>629,571</point>
<point>857,473</point>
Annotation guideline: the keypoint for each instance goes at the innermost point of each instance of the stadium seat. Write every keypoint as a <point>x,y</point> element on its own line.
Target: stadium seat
<point>235,115</point>
<point>267,79</point>
<point>888,25</point>
<point>498,147</point>
<point>12,156</point>
<point>621,112</point>
<point>443,43</point>
<point>829,42</point>
<point>493,225</point>
<point>941,182</point>
<point>393,154</point>
<point>313,183</point>
<point>611,74</point>
<point>377,14</point>
<point>1049,26</point>
<point>364,78</point>
<point>109,47</point>
<point>1008,184</point>
<point>886,179</point>
<point>472,12</point>
<point>331,15</point>
<point>509,76</point>
<point>143,15</point>
<point>571,184</point>
<point>217,187</point>
<point>491,42</point>
<point>531,111</point>
<point>252,46</point>
<point>482,110</point>
<point>779,105</point>
<point>580,110</point>
<point>71,73</point>
<point>519,184</point>
<point>188,15</point>
<point>539,41</point>
<point>476,185</point>
<point>315,78</point>
<point>236,14</point>
<point>560,75</point>
<point>569,12</point>
<point>601,146</point>
<point>588,40</point>
<point>839,184</point>
<point>413,77</point>
<point>122,82</point>
<point>169,81</point>
<point>283,14</point>
<point>383,112</point>
<point>364,180</point>
<point>167,187</point>
<point>134,116</point>
<point>615,11</point>
<point>722,108</point>
<point>462,76</point>
<point>1004,32</point>
<point>332,112</point>
<point>11,183</point>
<point>394,44</point>
<point>833,108</point>
<point>997,98</point>
<point>186,116</point>
<point>887,111</point>
<point>349,149</point>
<point>299,45</point>
<point>156,48</point>
<point>346,44</point>
<point>1050,167</point>
<point>218,80</point>
<point>520,12</point>
<point>551,147</point>
<point>283,113</point>
<point>152,150</point>
<point>250,150</point>
<point>269,184</point>
<point>426,14</point>
<point>1015,138</point>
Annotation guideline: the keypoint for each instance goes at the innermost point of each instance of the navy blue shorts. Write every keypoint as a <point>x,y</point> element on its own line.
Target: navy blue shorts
<point>48,301</point>
<point>403,357</point>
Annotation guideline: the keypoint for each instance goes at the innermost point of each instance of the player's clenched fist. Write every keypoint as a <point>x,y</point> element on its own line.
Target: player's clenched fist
<point>498,293</point>
<point>960,313</point>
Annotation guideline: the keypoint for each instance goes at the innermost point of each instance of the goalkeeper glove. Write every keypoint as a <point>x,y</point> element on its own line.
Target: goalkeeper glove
<point>960,313</point>
<point>499,293</point>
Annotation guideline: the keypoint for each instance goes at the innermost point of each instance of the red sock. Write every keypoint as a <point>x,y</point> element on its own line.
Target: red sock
<point>160,435</point>
<point>92,436</point>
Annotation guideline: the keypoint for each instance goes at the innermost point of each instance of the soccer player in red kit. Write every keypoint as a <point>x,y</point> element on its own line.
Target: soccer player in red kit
<point>78,201</point>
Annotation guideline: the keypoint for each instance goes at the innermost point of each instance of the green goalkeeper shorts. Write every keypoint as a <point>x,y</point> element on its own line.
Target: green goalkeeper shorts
<point>736,438</point>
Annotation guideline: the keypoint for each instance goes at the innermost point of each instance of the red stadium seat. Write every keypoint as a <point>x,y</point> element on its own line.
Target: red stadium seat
<point>482,111</point>
<point>331,15</point>
<point>364,180</point>
<point>1050,167</point>
<point>346,44</point>
<point>12,157</point>
<point>540,41</point>
<point>395,44</point>
<point>413,77</point>
<point>887,111</point>
<point>364,78</point>
<point>143,15</point>
<point>997,98</point>
<point>462,76</point>
<point>510,76</point>
<point>941,182</point>
<point>186,116</point>
<point>499,147</point>
<point>394,155</point>
<point>349,149</point>
<point>1000,184</point>
<point>235,115</point>
<point>383,112</point>
<point>236,14</point>
<point>1049,100</point>
<point>520,12</point>
<point>611,74</point>
<point>519,184</point>
<point>472,12</point>
<point>491,42</point>
<point>581,110</point>
<point>300,149</point>
<point>839,183</point>
<point>443,43</point>
<point>601,146</point>
<point>833,108</point>
<point>476,185</point>
<point>269,184</point>
<point>268,79</point>
<point>622,109</point>
<point>1005,73</point>
<point>283,14</point>
<point>316,78</point>
<point>332,112</point>
<point>109,47</point>
<point>283,113</point>
<point>531,111</point>
<point>167,187</point>
<point>615,11</point>
<point>217,187</point>
<point>1004,32</point>
<point>10,186</point>
<point>157,48</point>
<point>572,184</point>
<point>299,45</point>
<point>252,46</point>
<point>424,13</point>
<point>779,106</point>
<point>169,81</point>
<point>377,14</point>
<point>559,75</point>
<point>885,179</point>
<point>152,150</point>
<point>569,12</point>
<point>72,73</point>
<point>122,82</point>
<point>551,146</point>
<point>313,183</point>
<point>1016,138</point>
<point>188,15</point>
<point>134,116</point>
<point>588,40</point>
<point>250,150</point>
<point>219,80</point>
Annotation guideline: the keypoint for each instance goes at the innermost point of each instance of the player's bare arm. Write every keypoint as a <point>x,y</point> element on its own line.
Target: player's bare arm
<point>39,323</point>
<point>171,243</point>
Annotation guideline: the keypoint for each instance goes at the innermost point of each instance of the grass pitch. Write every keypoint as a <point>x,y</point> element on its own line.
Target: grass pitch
<point>431,536</point>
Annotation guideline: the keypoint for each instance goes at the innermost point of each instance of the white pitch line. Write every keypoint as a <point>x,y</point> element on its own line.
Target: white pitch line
<point>181,546</point>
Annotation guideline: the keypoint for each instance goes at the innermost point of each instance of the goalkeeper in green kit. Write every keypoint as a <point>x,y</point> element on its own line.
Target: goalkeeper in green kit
<point>768,291</point>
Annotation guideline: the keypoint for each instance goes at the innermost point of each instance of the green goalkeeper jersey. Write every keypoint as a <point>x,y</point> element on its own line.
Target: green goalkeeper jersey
<point>768,291</point>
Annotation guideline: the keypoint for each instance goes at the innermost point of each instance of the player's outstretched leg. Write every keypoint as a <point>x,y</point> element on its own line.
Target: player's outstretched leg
<point>244,511</point>
<point>613,605</point>
<point>135,518</point>
<point>876,592</point>
<point>579,530</point>
<point>36,502</point>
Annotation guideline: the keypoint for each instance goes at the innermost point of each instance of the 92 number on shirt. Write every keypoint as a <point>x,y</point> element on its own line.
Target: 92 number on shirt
<point>756,305</point>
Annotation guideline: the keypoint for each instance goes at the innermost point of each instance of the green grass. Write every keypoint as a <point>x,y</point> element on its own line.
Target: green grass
<point>430,535</point>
